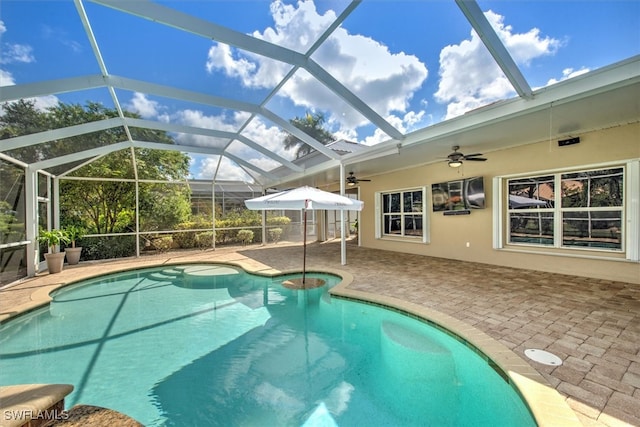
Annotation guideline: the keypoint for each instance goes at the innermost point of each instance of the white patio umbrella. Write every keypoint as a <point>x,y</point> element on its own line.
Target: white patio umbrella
<point>522,202</point>
<point>304,199</point>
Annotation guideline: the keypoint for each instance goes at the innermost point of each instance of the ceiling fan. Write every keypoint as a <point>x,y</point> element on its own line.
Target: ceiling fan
<point>352,180</point>
<point>455,159</point>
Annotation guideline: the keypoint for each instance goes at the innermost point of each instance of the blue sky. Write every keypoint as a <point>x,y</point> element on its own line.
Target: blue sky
<point>416,63</point>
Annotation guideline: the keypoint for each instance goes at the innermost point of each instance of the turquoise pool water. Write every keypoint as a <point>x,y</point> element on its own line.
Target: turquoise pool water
<point>207,345</point>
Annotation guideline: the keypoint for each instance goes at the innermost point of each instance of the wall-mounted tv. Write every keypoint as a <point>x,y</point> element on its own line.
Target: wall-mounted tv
<point>458,196</point>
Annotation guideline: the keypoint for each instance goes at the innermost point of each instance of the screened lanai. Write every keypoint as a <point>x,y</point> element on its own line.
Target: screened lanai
<point>148,106</point>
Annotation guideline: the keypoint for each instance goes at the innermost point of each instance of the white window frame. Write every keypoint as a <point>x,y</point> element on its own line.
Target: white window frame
<point>630,213</point>
<point>424,238</point>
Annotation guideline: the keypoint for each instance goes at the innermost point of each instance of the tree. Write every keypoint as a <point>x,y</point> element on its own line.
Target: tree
<point>99,206</point>
<point>22,118</point>
<point>312,125</point>
<point>109,206</point>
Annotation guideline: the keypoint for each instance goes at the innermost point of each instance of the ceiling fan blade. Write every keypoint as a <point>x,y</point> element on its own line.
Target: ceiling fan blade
<point>365,180</point>
<point>475,159</point>
<point>473,155</point>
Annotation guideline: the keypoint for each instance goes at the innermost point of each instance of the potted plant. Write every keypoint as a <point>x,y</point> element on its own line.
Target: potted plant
<point>53,238</point>
<point>73,253</point>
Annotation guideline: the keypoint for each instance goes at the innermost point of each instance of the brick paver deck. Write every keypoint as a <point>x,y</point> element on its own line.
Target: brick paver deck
<point>592,325</point>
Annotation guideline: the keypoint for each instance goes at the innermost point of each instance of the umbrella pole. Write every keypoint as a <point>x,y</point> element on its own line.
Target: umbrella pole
<point>304,248</point>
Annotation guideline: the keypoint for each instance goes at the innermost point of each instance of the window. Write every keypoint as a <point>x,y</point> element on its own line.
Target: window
<point>592,208</point>
<point>402,214</point>
<point>531,212</point>
<point>572,210</point>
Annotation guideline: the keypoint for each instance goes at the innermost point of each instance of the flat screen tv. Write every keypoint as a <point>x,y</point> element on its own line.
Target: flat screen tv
<point>460,195</point>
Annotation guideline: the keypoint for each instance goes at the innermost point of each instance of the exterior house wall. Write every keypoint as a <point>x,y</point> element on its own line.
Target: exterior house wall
<point>470,237</point>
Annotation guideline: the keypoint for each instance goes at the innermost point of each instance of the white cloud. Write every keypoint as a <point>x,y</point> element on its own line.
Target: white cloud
<point>61,36</point>
<point>228,170</point>
<point>197,118</point>
<point>45,102</point>
<point>269,137</point>
<point>6,78</point>
<point>142,105</point>
<point>377,137</point>
<point>568,73</point>
<point>470,78</point>
<point>385,80</point>
<point>221,57</point>
<point>13,52</point>
<point>206,167</point>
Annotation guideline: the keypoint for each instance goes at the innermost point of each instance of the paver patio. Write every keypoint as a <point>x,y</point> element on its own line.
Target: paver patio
<point>592,325</point>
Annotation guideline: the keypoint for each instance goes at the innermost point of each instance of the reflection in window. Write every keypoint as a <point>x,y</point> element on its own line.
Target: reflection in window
<point>531,213</point>
<point>406,218</point>
<point>601,188</point>
<point>533,227</point>
<point>12,203</point>
<point>535,192</point>
<point>587,214</point>
<point>13,253</point>
<point>591,229</point>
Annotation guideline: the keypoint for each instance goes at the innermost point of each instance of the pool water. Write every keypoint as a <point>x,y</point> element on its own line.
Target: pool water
<point>207,345</point>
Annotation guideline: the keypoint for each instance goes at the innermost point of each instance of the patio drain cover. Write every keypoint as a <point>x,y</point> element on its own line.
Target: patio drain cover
<point>543,357</point>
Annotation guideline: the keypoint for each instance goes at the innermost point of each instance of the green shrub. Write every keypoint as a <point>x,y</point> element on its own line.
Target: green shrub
<point>223,236</point>
<point>162,244</point>
<point>245,236</point>
<point>204,239</point>
<point>275,234</point>
<point>278,220</point>
<point>108,247</point>
<point>185,239</point>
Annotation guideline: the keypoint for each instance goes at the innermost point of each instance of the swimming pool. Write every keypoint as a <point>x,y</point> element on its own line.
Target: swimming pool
<point>213,345</point>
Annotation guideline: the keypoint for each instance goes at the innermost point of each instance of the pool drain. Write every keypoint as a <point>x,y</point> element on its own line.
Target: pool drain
<point>542,356</point>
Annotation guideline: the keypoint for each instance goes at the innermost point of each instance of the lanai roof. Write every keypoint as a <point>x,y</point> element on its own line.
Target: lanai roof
<point>225,78</point>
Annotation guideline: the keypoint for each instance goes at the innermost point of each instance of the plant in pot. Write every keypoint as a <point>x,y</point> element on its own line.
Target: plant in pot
<point>73,253</point>
<point>53,238</point>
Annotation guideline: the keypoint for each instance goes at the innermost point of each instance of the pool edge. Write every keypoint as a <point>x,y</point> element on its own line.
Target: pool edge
<point>545,402</point>
<point>548,407</point>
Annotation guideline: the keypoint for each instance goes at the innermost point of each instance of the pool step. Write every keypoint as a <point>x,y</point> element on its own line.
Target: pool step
<point>166,275</point>
<point>174,272</point>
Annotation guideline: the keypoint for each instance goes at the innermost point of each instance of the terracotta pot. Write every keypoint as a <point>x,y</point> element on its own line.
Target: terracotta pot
<point>54,262</point>
<point>73,255</point>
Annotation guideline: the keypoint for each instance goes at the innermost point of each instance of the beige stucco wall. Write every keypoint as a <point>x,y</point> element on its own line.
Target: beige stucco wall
<point>470,237</point>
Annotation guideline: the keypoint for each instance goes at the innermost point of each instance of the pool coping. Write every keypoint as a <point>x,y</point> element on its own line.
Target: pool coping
<point>546,404</point>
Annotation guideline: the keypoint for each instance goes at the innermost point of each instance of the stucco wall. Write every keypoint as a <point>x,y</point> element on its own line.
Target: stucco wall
<point>470,237</point>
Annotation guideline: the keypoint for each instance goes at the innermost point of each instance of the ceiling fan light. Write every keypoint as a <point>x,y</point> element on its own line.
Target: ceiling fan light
<point>455,163</point>
<point>351,183</point>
